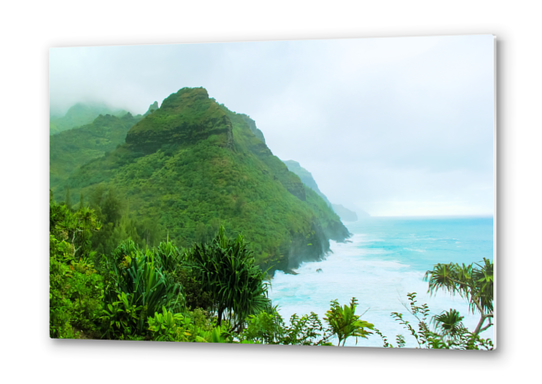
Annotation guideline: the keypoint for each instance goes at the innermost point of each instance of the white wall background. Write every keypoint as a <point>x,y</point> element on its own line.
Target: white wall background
<point>29,29</point>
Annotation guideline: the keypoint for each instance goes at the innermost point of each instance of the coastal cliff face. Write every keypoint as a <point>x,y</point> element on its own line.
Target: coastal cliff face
<point>344,213</point>
<point>306,178</point>
<point>252,126</point>
<point>192,165</point>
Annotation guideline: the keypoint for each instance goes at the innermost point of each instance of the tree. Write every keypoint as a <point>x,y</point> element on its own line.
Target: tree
<point>75,289</point>
<point>268,327</point>
<point>473,282</point>
<point>227,271</point>
<point>112,208</point>
<point>75,228</point>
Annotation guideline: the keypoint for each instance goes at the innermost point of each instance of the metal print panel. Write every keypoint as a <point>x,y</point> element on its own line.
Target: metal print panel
<point>317,192</point>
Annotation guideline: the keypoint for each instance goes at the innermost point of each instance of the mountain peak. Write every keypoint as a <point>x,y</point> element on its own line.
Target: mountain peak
<point>153,107</point>
<point>184,118</point>
<point>185,98</point>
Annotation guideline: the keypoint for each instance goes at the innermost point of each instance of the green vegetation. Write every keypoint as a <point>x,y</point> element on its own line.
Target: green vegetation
<point>81,114</point>
<point>75,147</point>
<point>153,107</point>
<point>306,178</point>
<point>141,294</point>
<point>192,165</point>
<point>226,269</point>
<point>165,293</point>
<point>473,282</point>
<point>191,172</point>
<point>345,323</point>
<point>75,287</point>
<point>447,332</point>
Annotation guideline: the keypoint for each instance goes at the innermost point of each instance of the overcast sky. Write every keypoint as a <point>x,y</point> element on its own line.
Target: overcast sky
<point>394,126</point>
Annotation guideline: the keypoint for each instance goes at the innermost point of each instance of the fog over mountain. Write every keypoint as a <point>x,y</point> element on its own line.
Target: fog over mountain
<point>394,126</point>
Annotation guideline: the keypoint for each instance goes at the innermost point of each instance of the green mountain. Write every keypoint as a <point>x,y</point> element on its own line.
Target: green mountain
<point>81,114</point>
<point>192,165</point>
<point>75,147</point>
<point>153,107</point>
<point>306,178</point>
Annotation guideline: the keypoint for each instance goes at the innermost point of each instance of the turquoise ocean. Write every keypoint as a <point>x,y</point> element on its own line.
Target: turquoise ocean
<point>385,259</point>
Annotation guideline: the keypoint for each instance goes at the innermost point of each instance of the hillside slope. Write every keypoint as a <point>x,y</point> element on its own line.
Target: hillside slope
<point>192,165</point>
<point>81,114</point>
<point>75,147</point>
<point>306,178</point>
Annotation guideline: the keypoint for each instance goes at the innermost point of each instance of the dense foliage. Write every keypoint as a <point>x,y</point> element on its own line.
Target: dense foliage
<point>192,165</point>
<point>166,293</point>
<point>73,148</point>
<point>226,268</point>
<point>144,255</point>
<point>75,293</point>
<point>141,294</point>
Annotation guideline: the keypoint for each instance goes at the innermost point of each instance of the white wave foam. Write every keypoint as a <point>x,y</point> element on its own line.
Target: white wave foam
<point>379,285</point>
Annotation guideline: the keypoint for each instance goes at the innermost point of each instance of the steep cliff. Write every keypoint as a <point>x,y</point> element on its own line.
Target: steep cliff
<point>307,179</point>
<point>344,213</point>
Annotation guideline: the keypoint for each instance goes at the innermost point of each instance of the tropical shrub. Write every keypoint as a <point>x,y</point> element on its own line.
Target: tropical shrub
<point>345,323</point>
<point>270,328</point>
<point>136,287</point>
<point>75,288</point>
<point>186,327</point>
<point>448,332</point>
<point>226,270</point>
<point>473,282</point>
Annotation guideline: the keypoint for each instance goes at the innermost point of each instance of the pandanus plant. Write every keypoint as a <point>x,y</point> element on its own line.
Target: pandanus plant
<point>227,270</point>
<point>449,323</point>
<point>137,288</point>
<point>473,282</point>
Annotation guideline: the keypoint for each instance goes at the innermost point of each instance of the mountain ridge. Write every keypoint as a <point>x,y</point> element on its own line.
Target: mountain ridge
<point>75,147</point>
<point>81,114</point>
<point>192,164</point>
<point>308,180</point>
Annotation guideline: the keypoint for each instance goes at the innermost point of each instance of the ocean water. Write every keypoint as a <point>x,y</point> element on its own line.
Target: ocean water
<point>385,259</point>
